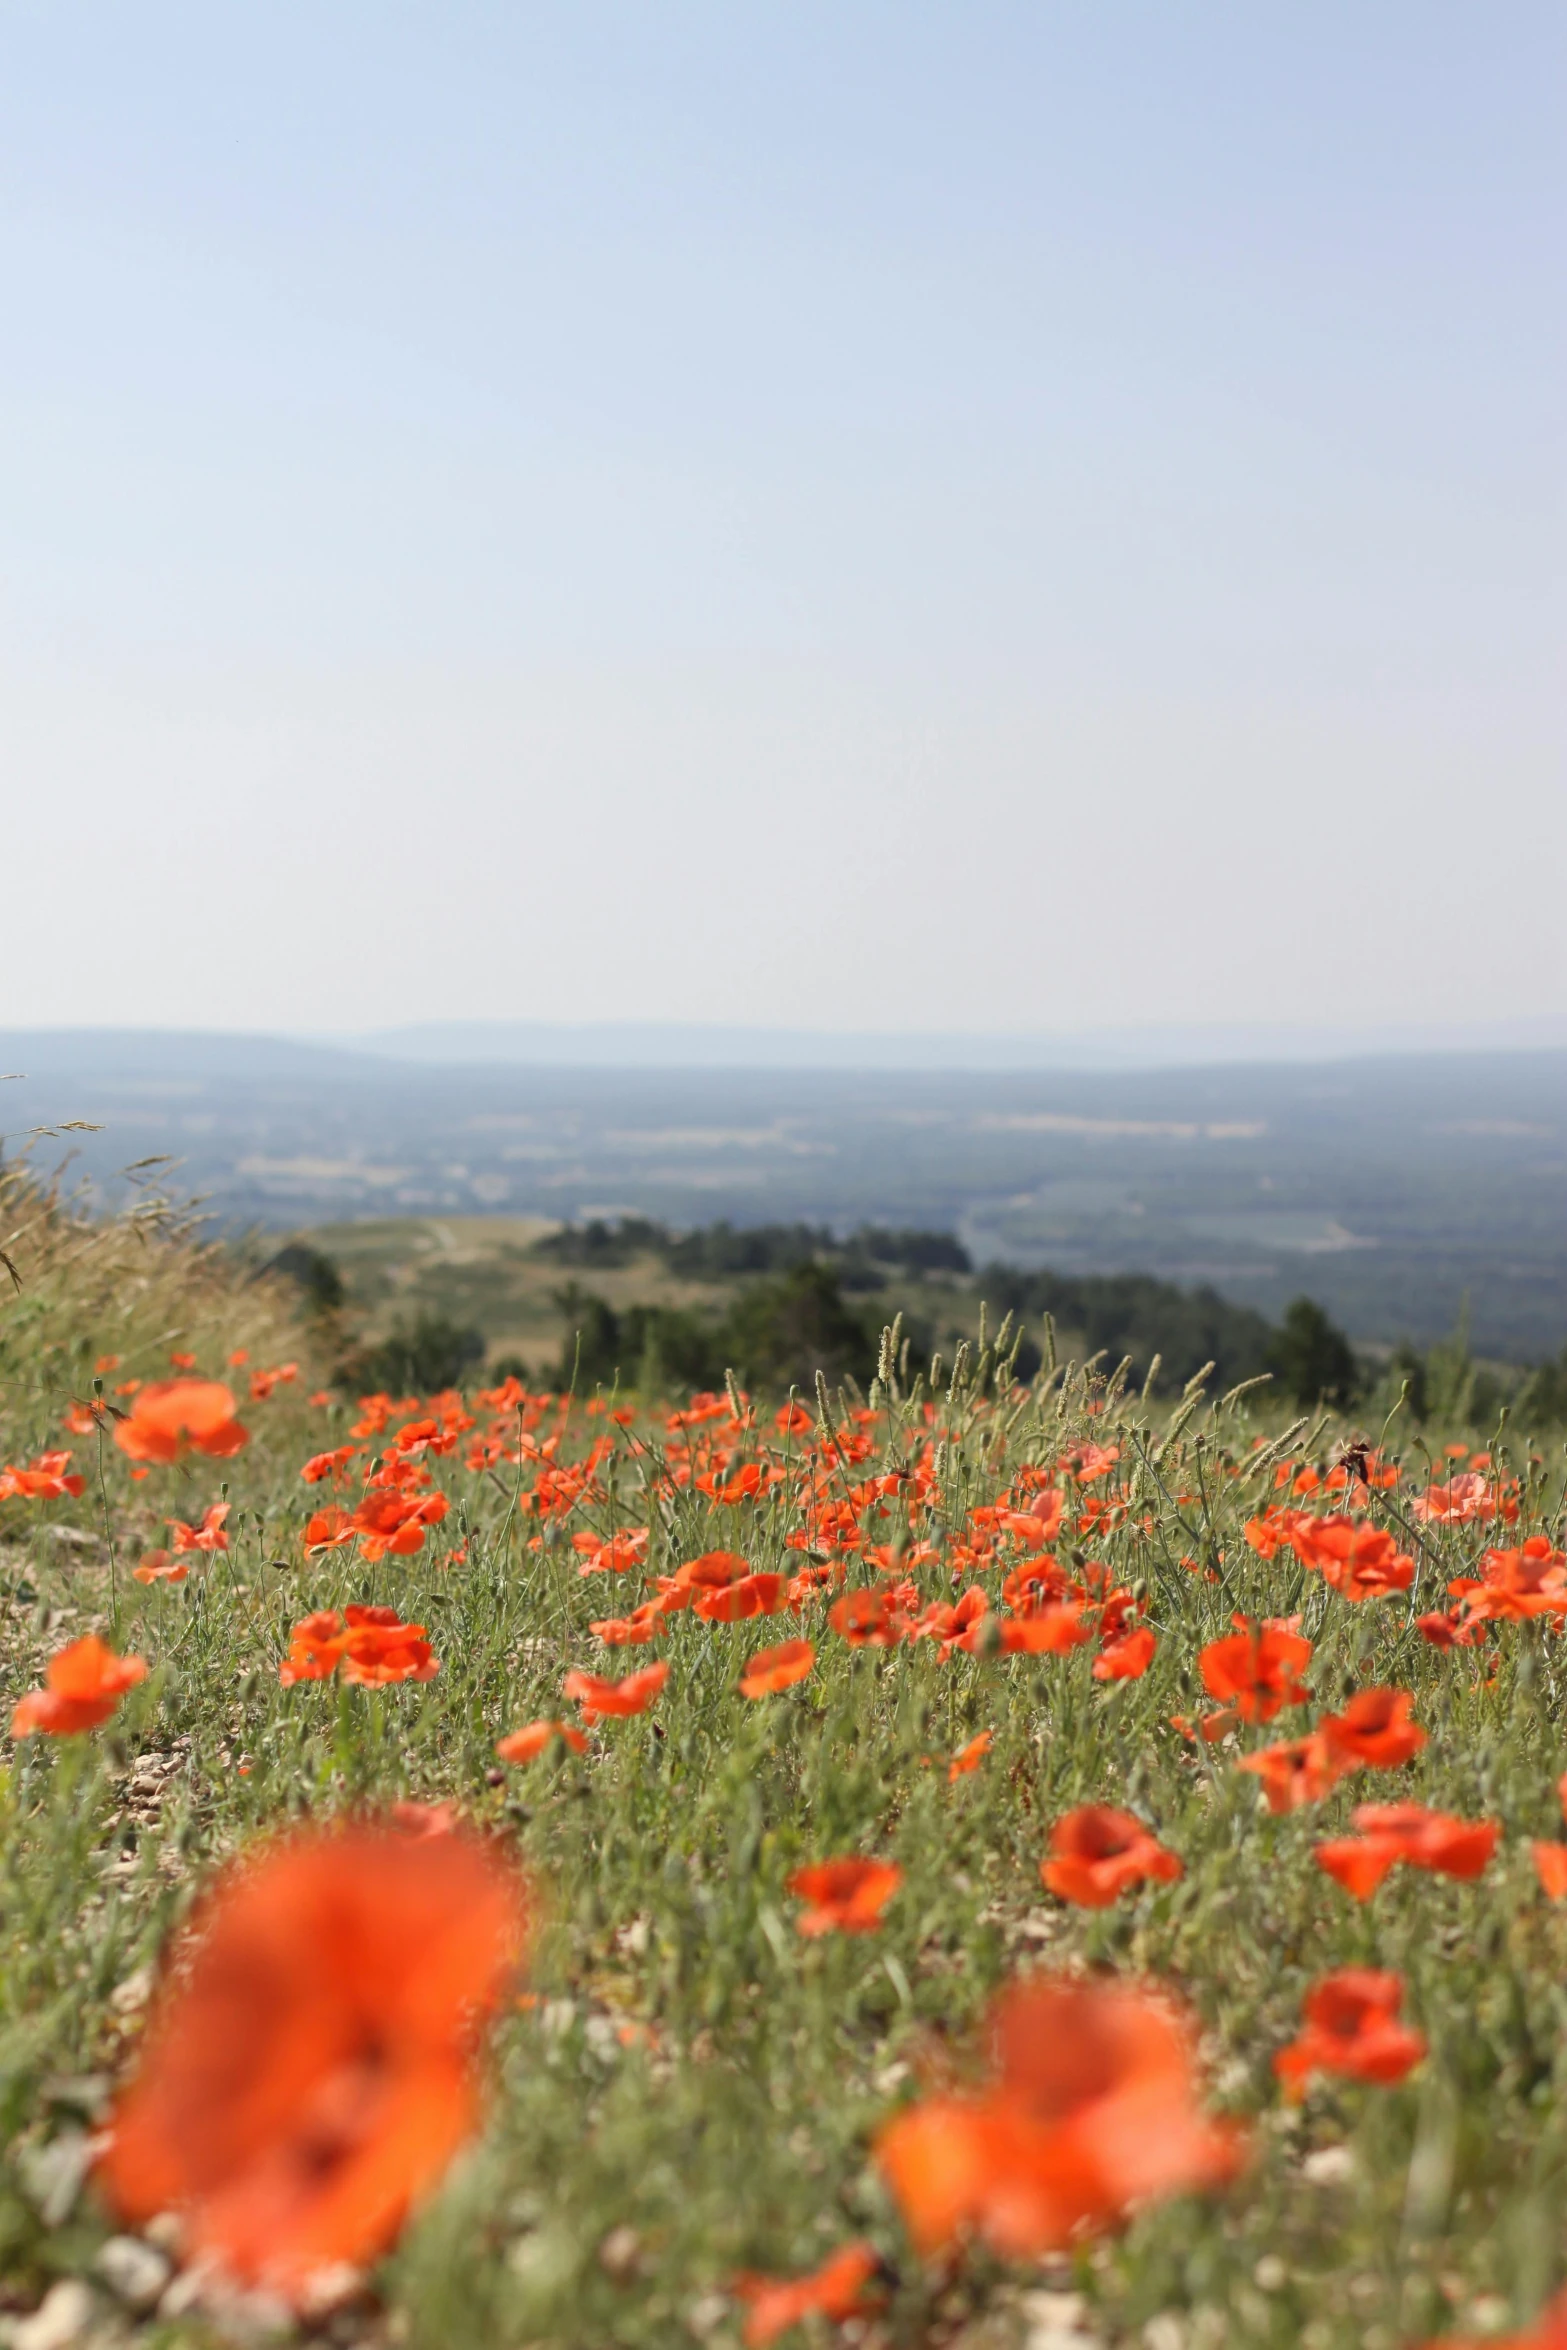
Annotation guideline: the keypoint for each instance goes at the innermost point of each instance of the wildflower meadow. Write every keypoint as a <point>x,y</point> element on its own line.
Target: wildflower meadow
<point>960,1861</point>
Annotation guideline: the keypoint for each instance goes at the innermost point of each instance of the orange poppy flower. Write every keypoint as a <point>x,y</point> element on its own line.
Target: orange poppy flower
<point>1515,1585</point>
<point>601,1699</point>
<point>1255,1670</point>
<point>1550,1863</point>
<point>83,1685</point>
<point>309,2068</point>
<point>773,1669</point>
<point>1457,1503</point>
<point>372,1645</point>
<point>614,1557</point>
<point>1355,1560</point>
<point>1092,2107</point>
<point>158,1567</point>
<point>526,1744</point>
<point>1352,2030</point>
<point>844,1896</point>
<point>50,1478</point>
<point>968,1758</point>
<point>749,1595</point>
<point>634,1631</point>
<point>1296,1772</point>
<point>1097,1854</point>
<point>328,1529</point>
<point>1128,1657</point>
<point>1054,1631</point>
<point>1374,1729</point>
<point>866,1618</point>
<point>208,1536</point>
<point>1387,1833</point>
<point>175,1416</point>
<point>835,2290</point>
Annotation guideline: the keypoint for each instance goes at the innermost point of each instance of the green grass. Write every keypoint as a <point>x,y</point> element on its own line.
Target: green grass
<point>625,2176</point>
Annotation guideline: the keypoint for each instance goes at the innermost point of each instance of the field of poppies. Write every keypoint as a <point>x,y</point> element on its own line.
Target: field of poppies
<point>963,1863</point>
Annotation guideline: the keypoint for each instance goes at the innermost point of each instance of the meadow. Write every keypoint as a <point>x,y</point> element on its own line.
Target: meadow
<point>888,1866</point>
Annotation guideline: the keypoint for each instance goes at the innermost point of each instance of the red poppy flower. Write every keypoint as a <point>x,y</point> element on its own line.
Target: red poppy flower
<point>524,1745</point>
<point>158,1567</point>
<point>327,1529</point>
<point>835,2290</point>
<point>208,1536</point>
<point>309,2068</point>
<point>1097,1854</point>
<point>1054,1631</point>
<point>748,1595</point>
<point>866,1618</point>
<point>634,1631</point>
<point>1352,2030</point>
<point>1297,1772</point>
<point>773,1669</point>
<point>174,1416</point>
<point>844,1896</point>
<point>1457,1503</point>
<point>1515,1585</point>
<point>50,1478</point>
<point>1255,1670</point>
<point>1550,1863</point>
<point>968,1758</point>
<point>371,1644</point>
<point>600,1699</point>
<point>1355,1560</point>
<point>1128,1657</point>
<point>1374,1729</point>
<point>616,1555</point>
<point>1387,1833</point>
<point>83,1685</point>
<point>1092,2108</point>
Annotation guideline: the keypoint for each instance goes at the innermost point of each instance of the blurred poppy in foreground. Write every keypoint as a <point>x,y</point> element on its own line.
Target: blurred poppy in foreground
<point>1092,2107</point>
<point>600,1699</point>
<point>1352,2029</point>
<point>844,1896</point>
<point>526,1744</point>
<point>175,1416</point>
<point>1548,2332</point>
<point>1550,1860</point>
<point>773,1669</point>
<point>968,1758</point>
<point>83,1684</point>
<point>309,2067</point>
<point>835,2290</point>
<point>1387,1833</point>
<point>1098,1853</point>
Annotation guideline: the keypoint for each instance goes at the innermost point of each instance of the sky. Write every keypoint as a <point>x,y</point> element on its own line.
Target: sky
<point>859,517</point>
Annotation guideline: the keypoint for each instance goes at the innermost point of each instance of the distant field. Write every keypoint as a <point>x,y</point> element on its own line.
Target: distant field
<point>1389,1190</point>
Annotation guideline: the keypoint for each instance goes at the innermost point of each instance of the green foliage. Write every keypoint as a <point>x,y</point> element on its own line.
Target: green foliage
<point>1312,1359</point>
<point>313,1273</point>
<point>417,1358</point>
<point>778,1333</point>
<point>1131,1314</point>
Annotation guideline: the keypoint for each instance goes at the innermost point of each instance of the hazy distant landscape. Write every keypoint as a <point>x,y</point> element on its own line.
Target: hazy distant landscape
<point>1391,1189</point>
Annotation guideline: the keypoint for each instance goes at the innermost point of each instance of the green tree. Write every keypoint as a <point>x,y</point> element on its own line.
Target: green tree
<point>1312,1359</point>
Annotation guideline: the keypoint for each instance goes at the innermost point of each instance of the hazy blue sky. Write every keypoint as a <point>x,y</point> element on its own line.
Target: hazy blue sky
<point>870,516</point>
